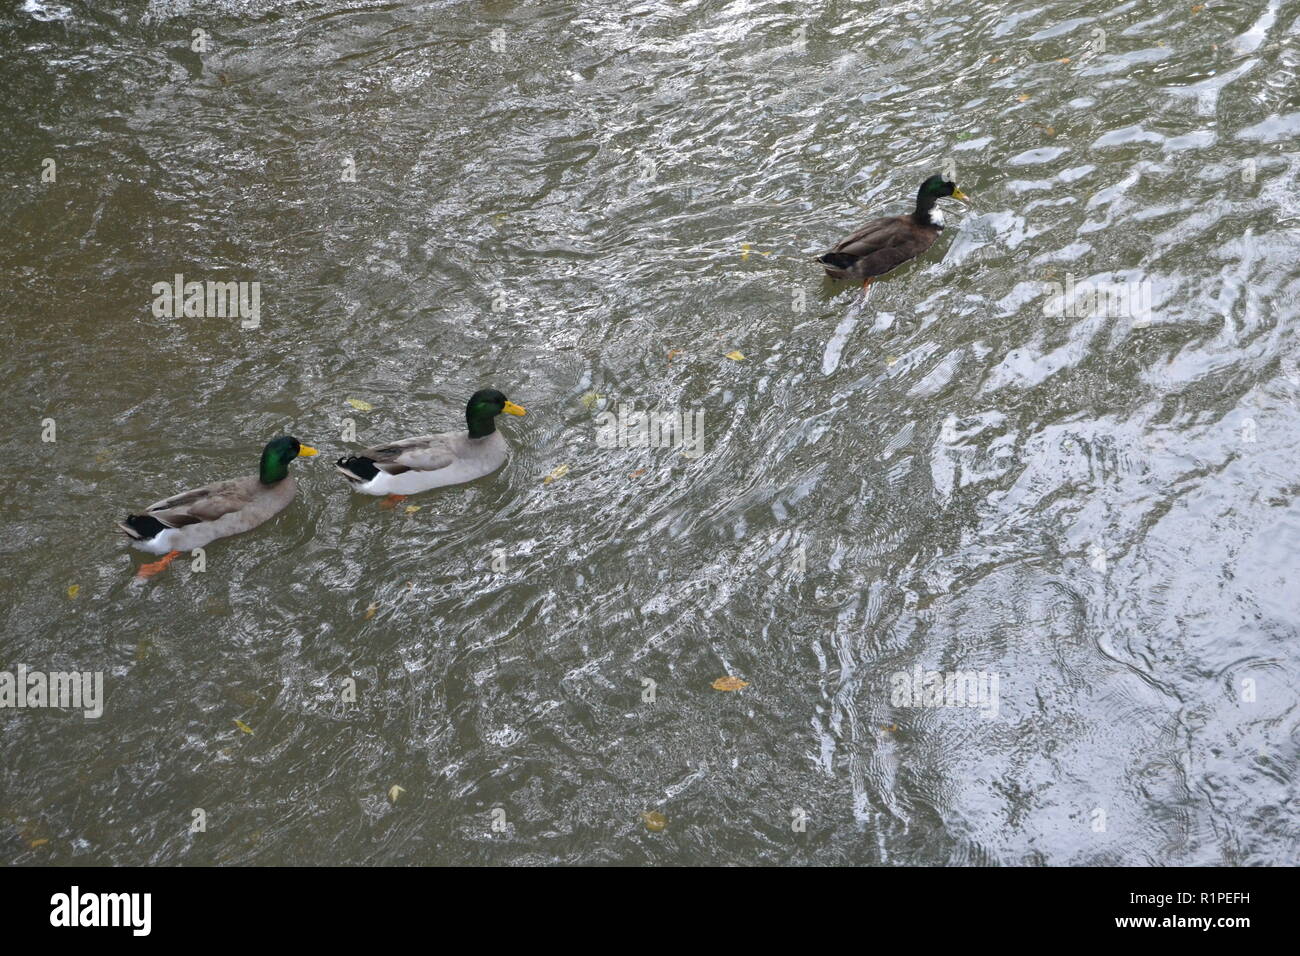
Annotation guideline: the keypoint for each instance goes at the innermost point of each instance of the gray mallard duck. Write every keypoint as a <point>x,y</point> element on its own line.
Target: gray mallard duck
<point>196,518</point>
<point>417,464</point>
<point>884,244</point>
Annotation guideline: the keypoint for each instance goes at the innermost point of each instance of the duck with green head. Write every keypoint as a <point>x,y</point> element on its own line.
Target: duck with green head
<point>433,461</point>
<point>196,518</point>
<point>884,244</point>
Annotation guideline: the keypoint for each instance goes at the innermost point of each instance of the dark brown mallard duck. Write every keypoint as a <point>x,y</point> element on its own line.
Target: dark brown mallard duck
<point>884,244</point>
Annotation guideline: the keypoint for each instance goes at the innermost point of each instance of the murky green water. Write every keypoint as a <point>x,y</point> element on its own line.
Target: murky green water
<point>591,204</point>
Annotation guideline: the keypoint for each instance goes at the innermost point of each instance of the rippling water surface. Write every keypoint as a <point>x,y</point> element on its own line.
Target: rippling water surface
<point>589,205</point>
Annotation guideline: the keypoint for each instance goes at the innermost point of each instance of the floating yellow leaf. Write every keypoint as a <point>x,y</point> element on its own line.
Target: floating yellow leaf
<point>73,590</point>
<point>360,406</point>
<point>412,509</point>
<point>394,792</point>
<point>891,361</point>
<point>589,400</point>
<point>736,356</point>
<point>654,820</point>
<point>1022,97</point>
<point>729,683</point>
<point>744,252</point>
<point>1198,8</point>
<point>35,843</point>
<point>638,473</point>
<point>559,472</point>
<point>370,611</point>
<point>1051,131</point>
<point>1064,59</point>
<point>674,352</point>
<point>243,726</point>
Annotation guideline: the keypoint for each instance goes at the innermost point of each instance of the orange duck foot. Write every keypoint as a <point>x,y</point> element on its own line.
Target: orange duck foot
<point>155,567</point>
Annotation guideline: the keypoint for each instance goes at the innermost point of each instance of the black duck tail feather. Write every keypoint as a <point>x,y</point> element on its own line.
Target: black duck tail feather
<point>142,527</point>
<point>838,260</point>
<point>357,468</point>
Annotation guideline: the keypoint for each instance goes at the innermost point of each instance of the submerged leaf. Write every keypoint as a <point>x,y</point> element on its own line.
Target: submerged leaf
<point>243,726</point>
<point>729,683</point>
<point>589,400</point>
<point>654,820</point>
<point>370,611</point>
<point>73,589</point>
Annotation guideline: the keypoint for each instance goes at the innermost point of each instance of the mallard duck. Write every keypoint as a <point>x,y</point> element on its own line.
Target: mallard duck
<point>884,244</point>
<point>195,518</point>
<point>412,465</point>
